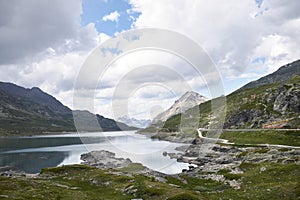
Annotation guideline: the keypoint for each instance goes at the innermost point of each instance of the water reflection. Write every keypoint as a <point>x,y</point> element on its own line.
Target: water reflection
<point>30,154</point>
<point>31,162</point>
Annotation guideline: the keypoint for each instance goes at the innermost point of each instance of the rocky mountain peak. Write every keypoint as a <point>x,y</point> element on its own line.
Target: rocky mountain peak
<point>186,101</point>
<point>191,96</point>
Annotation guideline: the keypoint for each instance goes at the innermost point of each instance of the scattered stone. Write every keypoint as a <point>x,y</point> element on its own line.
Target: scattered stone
<point>235,184</point>
<point>174,185</point>
<point>94,182</point>
<point>130,190</point>
<point>174,155</point>
<point>211,158</point>
<point>262,169</point>
<point>65,186</point>
<point>221,149</point>
<point>191,167</point>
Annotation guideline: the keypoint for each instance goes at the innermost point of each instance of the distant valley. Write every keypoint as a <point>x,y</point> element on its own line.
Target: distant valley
<point>140,123</point>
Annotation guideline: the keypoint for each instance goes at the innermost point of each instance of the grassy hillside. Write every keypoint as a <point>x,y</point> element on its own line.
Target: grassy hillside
<point>275,105</point>
<point>272,102</point>
<point>259,181</point>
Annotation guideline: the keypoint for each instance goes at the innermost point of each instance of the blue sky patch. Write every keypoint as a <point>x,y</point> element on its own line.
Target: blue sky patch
<point>258,3</point>
<point>95,10</point>
<point>259,60</point>
<point>111,50</point>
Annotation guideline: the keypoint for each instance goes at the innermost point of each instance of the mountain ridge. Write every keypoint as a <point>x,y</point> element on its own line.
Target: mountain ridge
<point>35,95</point>
<point>140,123</point>
<point>283,74</point>
<point>31,111</point>
<point>272,101</point>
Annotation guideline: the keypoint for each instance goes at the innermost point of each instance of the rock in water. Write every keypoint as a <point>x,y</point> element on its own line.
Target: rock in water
<point>104,159</point>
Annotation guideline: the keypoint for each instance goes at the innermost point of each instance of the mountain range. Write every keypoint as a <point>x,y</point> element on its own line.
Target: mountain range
<point>131,121</point>
<point>31,111</point>
<point>272,101</point>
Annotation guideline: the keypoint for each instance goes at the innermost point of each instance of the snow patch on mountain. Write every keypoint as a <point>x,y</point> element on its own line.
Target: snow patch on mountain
<point>140,123</point>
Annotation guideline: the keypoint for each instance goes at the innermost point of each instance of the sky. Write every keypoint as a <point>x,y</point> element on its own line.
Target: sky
<point>45,44</point>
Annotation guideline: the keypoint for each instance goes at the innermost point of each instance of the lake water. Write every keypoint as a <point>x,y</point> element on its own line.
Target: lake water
<point>31,154</point>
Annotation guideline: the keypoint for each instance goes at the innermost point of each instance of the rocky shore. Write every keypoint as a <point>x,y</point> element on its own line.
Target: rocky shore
<point>216,170</point>
<point>106,160</point>
<point>207,160</point>
<point>214,158</point>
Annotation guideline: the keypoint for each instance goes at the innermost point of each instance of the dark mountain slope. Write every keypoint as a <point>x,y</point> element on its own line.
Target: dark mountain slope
<point>87,121</point>
<point>31,111</point>
<point>283,74</point>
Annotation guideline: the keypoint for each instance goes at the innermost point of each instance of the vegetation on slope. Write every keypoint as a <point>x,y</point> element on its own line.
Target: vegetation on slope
<point>279,137</point>
<point>259,181</point>
<point>268,106</point>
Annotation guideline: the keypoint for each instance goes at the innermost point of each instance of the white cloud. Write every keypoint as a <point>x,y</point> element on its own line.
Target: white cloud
<point>47,50</point>
<point>146,77</point>
<point>278,51</point>
<point>29,27</point>
<point>228,31</point>
<point>55,74</point>
<point>44,45</point>
<point>113,16</point>
<point>103,37</point>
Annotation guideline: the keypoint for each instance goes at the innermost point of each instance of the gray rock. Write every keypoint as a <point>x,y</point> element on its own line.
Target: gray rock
<point>104,159</point>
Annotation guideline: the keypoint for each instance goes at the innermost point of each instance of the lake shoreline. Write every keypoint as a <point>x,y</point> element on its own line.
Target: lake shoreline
<point>222,170</point>
<point>66,149</point>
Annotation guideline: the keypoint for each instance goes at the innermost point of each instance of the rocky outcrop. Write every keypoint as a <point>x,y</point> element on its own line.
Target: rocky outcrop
<point>104,159</point>
<point>286,99</point>
<point>107,160</point>
<point>272,101</point>
<point>254,117</point>
<point>276,107</point>
<point>217,162</point>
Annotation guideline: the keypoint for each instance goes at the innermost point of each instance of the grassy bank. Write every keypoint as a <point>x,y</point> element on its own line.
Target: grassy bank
<point>83,182</point>
<point>280,137</point>
<point>259,181</point>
